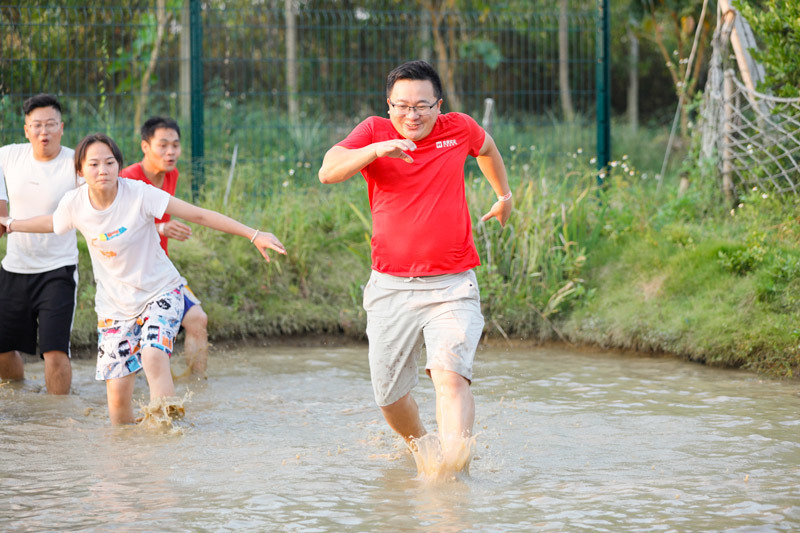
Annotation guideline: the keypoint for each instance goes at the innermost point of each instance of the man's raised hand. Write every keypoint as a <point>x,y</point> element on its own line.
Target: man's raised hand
<point>396,148</point>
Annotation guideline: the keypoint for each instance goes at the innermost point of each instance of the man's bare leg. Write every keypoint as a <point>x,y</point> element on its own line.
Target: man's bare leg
<point>455,414</point>
<point>403,417</point>
<point>57,372</point>
<point>11,366</point>
<point>196,344</point>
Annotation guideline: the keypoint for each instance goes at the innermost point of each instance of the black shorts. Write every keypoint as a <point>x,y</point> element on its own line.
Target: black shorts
<point>43,303</point>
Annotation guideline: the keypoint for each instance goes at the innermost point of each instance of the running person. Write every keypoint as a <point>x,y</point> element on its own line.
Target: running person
<point>139,301</point>
<point>422,288</point>
<point>161,146</point>
<point>39,273</point>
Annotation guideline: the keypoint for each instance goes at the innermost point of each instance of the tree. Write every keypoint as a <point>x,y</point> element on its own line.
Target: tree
<point>563,61</point>
<point>671,25</point>
<point>633,78</point>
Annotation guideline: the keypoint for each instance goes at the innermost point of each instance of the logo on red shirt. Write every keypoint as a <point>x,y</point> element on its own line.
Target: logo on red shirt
<point>446,144</point>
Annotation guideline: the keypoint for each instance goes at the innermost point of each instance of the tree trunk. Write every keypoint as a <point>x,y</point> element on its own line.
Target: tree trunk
<point>425,40</point>
<point>144,94</point>
<point>185,75</point>
<point>633,81</point>
<point>291,61</point>
<point>563,62</point>
<point>444,54</point>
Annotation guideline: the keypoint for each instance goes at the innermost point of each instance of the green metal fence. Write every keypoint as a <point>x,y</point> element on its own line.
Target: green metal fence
<point>280,81</point>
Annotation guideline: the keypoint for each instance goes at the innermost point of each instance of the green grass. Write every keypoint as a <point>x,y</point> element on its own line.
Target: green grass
<point>686,276</point>
<point>626,265</point>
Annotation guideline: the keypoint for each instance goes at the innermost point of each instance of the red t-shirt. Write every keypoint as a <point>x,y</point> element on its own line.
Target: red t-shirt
<point>136,172</point>
<point>420,221</point>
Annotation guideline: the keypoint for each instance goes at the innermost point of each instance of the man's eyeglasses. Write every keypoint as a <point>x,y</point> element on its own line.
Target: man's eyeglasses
<point>49,126</point>
<point>403,109</point>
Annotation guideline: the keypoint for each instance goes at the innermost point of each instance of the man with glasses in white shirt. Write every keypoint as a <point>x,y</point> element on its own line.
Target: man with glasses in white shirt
<point>39,273</point>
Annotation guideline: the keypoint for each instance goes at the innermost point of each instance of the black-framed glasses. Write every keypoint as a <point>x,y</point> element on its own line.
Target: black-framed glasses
<point>403,109</point>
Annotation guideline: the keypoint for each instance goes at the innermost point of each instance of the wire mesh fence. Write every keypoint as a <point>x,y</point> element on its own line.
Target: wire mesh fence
<point>760,146</point>
<point>753,137</point>
<point>282,81</point>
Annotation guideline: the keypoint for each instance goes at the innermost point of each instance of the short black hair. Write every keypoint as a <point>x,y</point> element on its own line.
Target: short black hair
<point>40,100</point>
<point>155,123</point>
<point>86,142</point>
<point>415,70</point>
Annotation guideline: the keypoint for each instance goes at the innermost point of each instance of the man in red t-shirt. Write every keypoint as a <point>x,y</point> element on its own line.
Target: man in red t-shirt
<point>161,144</point>
<point>422,289</point>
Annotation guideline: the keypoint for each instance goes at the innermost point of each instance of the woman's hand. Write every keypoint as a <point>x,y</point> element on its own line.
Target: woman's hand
<point>265,241</point>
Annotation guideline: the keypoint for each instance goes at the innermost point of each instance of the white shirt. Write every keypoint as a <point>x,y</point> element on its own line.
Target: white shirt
<point>129,265</point>
<point>34,188</point>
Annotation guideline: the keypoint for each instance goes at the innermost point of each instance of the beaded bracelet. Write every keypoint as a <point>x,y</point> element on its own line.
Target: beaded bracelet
<point>506,197</point>
<point>253,238</point>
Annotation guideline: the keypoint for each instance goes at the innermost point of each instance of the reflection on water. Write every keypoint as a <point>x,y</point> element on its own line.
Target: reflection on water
<point>289,439</point>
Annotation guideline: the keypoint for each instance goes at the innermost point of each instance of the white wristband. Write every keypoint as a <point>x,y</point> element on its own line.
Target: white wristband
<point>253,238</point>
<point>505,197</point>
<point>160,228</point>
<point>8,224</point>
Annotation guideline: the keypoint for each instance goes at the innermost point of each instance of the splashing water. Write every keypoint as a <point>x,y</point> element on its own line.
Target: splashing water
<point>164,413</point>
<point>196,367</point>
<point>438,461</point>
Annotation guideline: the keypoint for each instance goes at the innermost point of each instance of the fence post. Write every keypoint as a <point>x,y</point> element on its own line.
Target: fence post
<point>727,137</point>
<point>602,85</point>
<point>198,134</point>
<point>488,108</point>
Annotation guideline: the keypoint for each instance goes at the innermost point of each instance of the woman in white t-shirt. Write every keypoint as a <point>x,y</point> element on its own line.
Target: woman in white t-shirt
<point>139,301</point>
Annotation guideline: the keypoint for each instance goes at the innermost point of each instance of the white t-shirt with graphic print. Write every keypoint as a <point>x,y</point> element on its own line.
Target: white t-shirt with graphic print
<point>129,265</point>
<point>34,188</point>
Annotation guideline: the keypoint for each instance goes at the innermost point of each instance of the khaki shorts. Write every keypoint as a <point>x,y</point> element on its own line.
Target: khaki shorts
<point>441,312</point>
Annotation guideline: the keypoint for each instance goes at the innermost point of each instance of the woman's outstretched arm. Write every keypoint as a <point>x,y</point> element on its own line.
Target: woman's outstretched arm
<point>40,224</point>
<point>211,219</point>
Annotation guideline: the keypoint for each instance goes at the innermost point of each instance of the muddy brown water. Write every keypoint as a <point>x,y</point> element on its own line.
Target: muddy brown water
<point>288,439</point>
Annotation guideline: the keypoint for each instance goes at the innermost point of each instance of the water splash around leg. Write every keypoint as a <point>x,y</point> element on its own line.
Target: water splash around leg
<point>163,413</point>
<point>438,460</point>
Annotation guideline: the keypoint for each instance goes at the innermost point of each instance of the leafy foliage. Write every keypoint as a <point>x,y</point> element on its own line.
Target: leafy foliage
<point>776,24</point>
